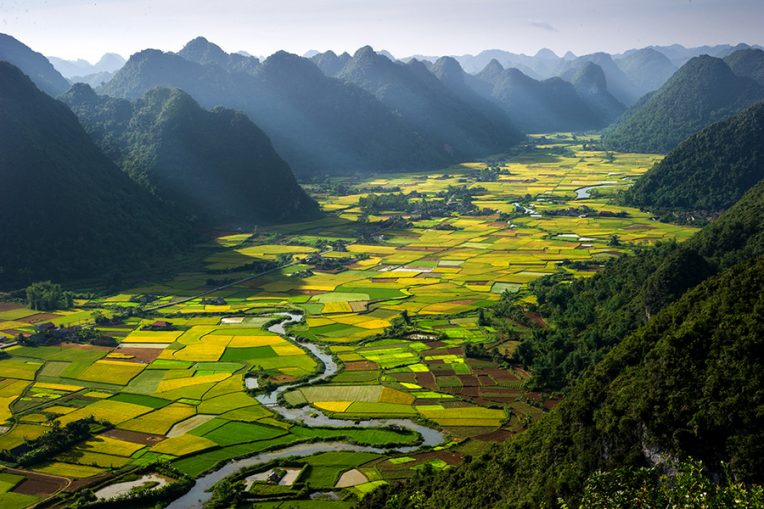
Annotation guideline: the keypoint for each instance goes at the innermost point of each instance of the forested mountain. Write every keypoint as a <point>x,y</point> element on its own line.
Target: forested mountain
<point>317,123</point>
<point>67,210</point>
<point>451,116</point>
<point>703,91</point>
<point>647,68</point>
<point>537,106</point>
<point>747,62</point>
<point>710,170</point>
<point>216,165</point>
<point>33,64</point>
<point>591,85</point>
<point>618,84</point>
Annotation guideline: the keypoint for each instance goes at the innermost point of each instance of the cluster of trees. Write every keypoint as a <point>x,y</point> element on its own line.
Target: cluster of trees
<point>48,296</point>
<point>58,439</point>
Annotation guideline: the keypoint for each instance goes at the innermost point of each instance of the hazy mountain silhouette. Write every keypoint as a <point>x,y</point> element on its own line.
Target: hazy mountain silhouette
<point>590,83</point>
<point>450,115</point>
<point>319,124</point>
<point>537,106</point>
<point>648,69</point>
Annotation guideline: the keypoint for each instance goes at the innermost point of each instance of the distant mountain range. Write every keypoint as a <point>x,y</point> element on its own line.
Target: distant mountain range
<point>705,90</point>
<point>450,114</point>
<point>215,166</point>
<point>109,62</point>
<point>67,210</point>
<point>318,123</point>
<point>370,112</point>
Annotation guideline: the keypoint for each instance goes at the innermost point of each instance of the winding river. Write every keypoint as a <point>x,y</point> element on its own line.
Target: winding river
<point>308,416</point>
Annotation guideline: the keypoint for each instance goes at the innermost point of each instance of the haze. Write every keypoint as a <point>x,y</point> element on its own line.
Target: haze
<point>86,29</point>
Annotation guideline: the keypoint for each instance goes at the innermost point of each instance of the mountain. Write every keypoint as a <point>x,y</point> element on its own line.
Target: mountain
<point>94,80</point>
<point>330,63</point>
<point>679,385</point>
<point>215,165</point>
<point>424,101</point>
<point>109,62</point>
<point>748,63</point>
<point>67,210</point>
<point>710,170</point>
<point>647,68</point>
<point>33,64</point>
<point>317,123</point>
<point>202,51</point>
<point>618,83</point>
<point>462,86</point>
<point>703,91</point>
<point>590,83</point>
<point>537,106</point>
<point>680,55</point>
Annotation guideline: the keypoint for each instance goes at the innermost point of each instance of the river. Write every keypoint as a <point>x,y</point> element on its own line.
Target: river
<point>306,415</point>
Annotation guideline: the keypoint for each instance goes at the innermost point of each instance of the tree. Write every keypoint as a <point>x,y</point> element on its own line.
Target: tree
<point>47,296</point>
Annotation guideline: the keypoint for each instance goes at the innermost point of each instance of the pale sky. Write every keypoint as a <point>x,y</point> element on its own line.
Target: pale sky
<point>87,29</point>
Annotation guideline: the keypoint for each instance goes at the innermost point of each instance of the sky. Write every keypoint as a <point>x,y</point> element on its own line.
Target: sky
<point>88,28</point>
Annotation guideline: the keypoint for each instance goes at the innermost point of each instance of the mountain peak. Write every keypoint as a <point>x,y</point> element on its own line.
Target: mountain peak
<point>202,51</point>
<point>590,76</point>
<point>364,52</point>
<point>546,54</point>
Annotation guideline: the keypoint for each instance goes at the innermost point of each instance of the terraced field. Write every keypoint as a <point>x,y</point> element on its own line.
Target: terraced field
<point>393,295</point>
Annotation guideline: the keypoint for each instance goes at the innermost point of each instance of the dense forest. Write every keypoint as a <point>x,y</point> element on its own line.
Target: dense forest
<point>63,195</point>
<point>710,170</point>
<point>216,166</point>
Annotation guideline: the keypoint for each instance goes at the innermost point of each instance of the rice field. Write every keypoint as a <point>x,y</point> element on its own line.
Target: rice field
<point>177,392</point>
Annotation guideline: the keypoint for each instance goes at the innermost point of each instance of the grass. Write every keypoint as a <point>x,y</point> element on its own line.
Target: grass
<point>240,432</point>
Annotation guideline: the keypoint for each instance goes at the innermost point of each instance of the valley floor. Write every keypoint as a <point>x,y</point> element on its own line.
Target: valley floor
<point>393,298</point>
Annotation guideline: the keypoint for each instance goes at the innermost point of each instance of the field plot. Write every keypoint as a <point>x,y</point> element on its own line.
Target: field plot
<point>395,299</point>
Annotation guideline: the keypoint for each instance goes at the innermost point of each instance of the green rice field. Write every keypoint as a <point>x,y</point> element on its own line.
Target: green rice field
<point>178,395</point>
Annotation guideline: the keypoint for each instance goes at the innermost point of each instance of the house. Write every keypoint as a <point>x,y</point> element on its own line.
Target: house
<point>160,325</point>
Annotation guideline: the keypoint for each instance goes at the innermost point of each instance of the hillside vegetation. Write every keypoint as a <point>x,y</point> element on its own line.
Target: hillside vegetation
<point>216,166</point>
<point>67,210</point>
<point>710,170</point>
<point>700,93</point>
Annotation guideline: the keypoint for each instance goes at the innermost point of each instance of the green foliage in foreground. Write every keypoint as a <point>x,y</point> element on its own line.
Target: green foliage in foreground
<point>710,170</point>
<point>685,385</point>
<point>646,488</point>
